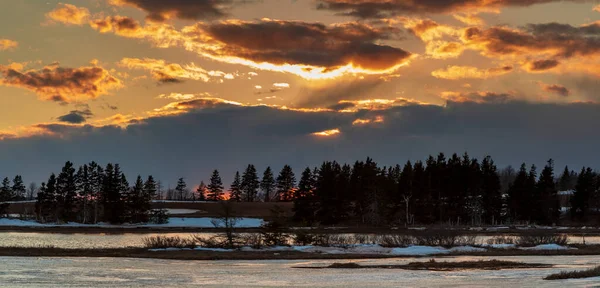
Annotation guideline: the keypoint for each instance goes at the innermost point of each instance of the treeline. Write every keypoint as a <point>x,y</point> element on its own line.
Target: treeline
<point>457,190</point>
<point>92,194</point>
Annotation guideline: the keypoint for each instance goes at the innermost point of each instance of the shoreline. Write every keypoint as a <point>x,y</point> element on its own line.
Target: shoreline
<point>145,253</point>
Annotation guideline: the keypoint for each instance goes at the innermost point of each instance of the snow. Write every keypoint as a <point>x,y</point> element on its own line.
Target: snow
<point>548,247</point>
<point>500,246</point>
<point>419,250</point>
<point>467,249</point>
<point>173,222</point>
<point>17,202</point>
<point>566,192</point>
<point>181,211</point>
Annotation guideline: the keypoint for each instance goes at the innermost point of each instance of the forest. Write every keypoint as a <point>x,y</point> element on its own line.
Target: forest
<point>458,190</point>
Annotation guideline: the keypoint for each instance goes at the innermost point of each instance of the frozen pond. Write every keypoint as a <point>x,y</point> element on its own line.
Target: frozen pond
<point>125,272</point>
<point>31,239</point>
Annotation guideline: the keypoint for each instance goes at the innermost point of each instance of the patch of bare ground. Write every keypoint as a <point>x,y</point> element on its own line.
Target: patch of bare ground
<point>433,265</point>
<point>593,272</point>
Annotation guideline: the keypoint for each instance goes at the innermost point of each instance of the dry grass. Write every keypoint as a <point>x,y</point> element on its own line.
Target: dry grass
<point>594,272</point>
<point>433,265</point>
<point>535,240</point>
<point>155,242</point>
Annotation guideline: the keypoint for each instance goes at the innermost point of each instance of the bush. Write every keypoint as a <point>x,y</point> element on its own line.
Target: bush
<point>168,242</point>
<point>273,234</point>
<point>445,239</point>
<point>303,238</point>
<point>218,241</point>
<point>594,272</point>
<point>159,216</point>
<point>253,240</point>
<point>501,240</point>
<point>535,240</point>
<point>396,240</point>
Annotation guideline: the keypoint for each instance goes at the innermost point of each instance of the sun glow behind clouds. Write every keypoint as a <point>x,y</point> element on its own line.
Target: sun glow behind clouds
<point>327,133</point>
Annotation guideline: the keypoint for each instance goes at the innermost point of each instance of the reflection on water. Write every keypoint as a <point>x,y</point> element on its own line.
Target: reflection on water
<point>106,272</point>
<point>26,239</point>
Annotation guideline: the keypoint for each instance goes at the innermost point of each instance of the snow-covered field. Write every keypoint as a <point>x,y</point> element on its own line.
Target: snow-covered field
<point>124,272</point>
<point>176,222</point>
<point>372,249</point>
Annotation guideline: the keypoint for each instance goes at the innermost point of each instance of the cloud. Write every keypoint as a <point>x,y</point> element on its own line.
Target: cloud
<point>557,89</point>
<point>7,44</point>
<point>331,93</point>
<point>69,14</point>
<point>468,72</point>
<point>76,116</point>
<point>180,96</point>
<point>123,26</point>
<point>302,47</point>
<point>62,84</point>
<point>420,130</point>
<point>160,10</point>
<point>553,39</point>
<point>541,65</point>
<point>281,85</point>
<point>165,72</point>
<point>596,8</point>
<point>390,8</point>
<point>481,97</point>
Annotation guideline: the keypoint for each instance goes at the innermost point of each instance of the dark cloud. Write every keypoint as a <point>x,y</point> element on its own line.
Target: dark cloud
<point>301,43</point>
<point>62,85</point>
<point>557,89</point>
<point>388,8</point>
<point>161,10</point>
<point>228,137</point>
<point>482,97</point>
<point>542,65</point>
<point>557,40</point>
<point>78,116</point>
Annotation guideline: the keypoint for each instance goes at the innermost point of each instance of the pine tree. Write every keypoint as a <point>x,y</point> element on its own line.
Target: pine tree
<point>286,182</point>
<point>215,187</point>
<point>66,190</point>
<point>492,197</point>
<point>96,186</point>
<point>134,202</point>
<point>46,201</point>
<point>149,192</point>
<point>5,195</point>
<point>249,184</point>
<point>549,210</point>
<point>584,191</point>
<point>303,199</point>
<point>564,183</point>
<point>84,190</point>
<point>236,188</point>
<point>267,185</point>
<point>18,188</point>
<point>201,191</point>
<point>180,189</point>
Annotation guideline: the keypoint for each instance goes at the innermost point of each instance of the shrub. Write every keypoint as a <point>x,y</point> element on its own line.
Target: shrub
<point>594,272</point>
<point>168,242</point>
<point>501,240</point>
<point>303,238</point>
<point>273,234</point>
<point>534,240</point>
<point>444,239</point>
<point>159,216</point>
<point>395,240</point>
<point>253,240</point>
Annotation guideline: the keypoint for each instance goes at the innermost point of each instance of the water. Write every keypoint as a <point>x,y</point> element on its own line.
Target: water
<point>125,272</point>
<point>27,239</point>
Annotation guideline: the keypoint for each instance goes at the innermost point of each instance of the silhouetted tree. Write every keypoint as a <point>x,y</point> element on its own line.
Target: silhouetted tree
<point>180,189</point>
<point>235,188</point>
<point>584,191</point>
<point>286,182</point>
<point>215,187</point>
<point>267,185</point>
<point>303,199</point>
<point>18,188</point>
<point>250,184</point>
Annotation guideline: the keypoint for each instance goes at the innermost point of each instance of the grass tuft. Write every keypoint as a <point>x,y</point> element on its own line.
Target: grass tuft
<point>594,272</point>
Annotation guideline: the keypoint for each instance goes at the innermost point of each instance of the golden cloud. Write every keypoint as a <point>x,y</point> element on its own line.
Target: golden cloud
<point>480,97</point>
<point>60,84</point>
<point>556,89</point>
<point>327,133</point>
<point>6,44</point>
<point>69,14</point>
<point>170,72</point>
<point>468,72</point>
<point>161,10</point>
<point>123,26</point>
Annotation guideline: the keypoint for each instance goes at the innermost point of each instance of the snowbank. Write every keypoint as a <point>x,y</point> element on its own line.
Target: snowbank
<point>181,211</point>
<point>547,247</point>
<point>173,222</point>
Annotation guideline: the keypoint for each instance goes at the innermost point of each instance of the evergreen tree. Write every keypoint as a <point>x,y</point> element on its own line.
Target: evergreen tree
<point>215,187</point>
<point>584,191</point>
<point>46,201</point>
<point>134,201</point>
<point>96,185</point>
<point>111,194</point>
<point>180,189</point>
<point>66,190</point>
<point>250,184</point>
<point>5,195</point>
<point>549,208</point>
<point>286,182</point>
<point>145,203</point>
<point>84,190</point>
<point>492,197</point>
<point>18,188</point>
<point>303,199</point>
<point>236,188</point>
<point>202,191</point>
<point>267,185</point>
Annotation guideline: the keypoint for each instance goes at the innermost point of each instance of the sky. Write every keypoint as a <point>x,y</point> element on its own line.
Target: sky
<point>179,88</point>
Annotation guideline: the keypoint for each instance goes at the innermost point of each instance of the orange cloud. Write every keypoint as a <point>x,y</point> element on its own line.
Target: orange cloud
<point>469,19</point>
<point>168,72</point>
<point>596,8</point>
<point>123,26</point>
<point>360,122</point>
<point>480,97</point>
<point>327,133</point>
<point>69,14</point>
<point>468,72</point>
<point>556,89</point>
<point>541,65</point>
<point>6,44</point>
<point>63,85</point>
<point>161,10</point>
